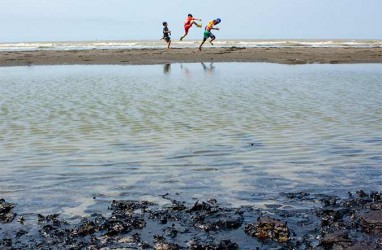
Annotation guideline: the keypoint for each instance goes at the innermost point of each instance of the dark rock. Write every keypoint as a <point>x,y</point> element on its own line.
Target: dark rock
<point>6,214</point>
<point>356,203</point>
<point>298,195</point>
<point>177,206</point>
<point>212,201</point>
<point>86,227</point>
<point>130,205</point>
<point>330,216</point>
<point>116,227</point>
<point>335,223</point>
<point>20,233</point>
<point>20,219</point>
<point>222,245</point>
<point>376,206</point>
<point>338,240</point>
<point>331,201</point>
<point>144,245</point>
<point>47,231</point>
<point>227,245</point>
<point>201,207</point>
<point>171,231</point>
<point>51,219</point>
<point>5,207</point>
<point>7,217</point>
<point>163,220</point>
<point>269,228</point>
<point>361,194</point>
<point>166,246</point>
<point>218,221</point>
<point>375,196</point>
<point>7,242</point>
<point>371,221</point>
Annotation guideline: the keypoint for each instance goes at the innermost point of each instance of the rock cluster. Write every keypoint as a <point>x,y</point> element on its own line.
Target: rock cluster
<point>333,223</point>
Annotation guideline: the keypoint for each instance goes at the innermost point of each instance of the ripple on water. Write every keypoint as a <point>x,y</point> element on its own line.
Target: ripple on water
<point>240,132</point>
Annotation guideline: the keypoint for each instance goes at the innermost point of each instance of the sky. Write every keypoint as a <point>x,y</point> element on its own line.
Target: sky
<point>89,20</point>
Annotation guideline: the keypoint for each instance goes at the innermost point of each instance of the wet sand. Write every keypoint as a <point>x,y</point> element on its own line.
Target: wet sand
<point>296,55</point>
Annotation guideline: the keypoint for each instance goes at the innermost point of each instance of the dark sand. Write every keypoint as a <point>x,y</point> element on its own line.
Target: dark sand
<point>296,55</point>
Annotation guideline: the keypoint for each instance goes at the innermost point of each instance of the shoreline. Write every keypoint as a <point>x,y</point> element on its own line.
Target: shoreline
<point>297,55</point>
<point>354,222</point>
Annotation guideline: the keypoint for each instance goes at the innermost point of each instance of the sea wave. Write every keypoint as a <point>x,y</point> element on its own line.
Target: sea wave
<point>88,45</point>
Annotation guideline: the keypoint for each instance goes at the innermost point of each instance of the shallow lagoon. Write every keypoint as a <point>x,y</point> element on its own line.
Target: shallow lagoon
<point>239,132</point>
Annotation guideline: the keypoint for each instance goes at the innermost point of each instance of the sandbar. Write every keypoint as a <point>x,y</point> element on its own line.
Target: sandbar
<point>289,55</point>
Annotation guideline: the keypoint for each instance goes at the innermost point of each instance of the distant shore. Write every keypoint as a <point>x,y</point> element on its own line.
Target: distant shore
<point>298,55</point>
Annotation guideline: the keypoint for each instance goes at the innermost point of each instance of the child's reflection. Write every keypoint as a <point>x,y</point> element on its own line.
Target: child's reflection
<point>209,69</point>
<point>166,68</point>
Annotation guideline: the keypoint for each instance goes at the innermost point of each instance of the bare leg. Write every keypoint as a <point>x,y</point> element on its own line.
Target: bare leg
<point>200,47</point>
<point>185,34</point>
<point>212,41</point>
<point>197,25</point>
<point>169,43</point>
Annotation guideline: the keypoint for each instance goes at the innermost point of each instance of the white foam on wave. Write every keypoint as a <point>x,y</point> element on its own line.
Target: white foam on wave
<point>88,45</point>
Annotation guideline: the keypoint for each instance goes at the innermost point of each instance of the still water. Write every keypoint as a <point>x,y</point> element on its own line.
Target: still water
<point>238,132</point>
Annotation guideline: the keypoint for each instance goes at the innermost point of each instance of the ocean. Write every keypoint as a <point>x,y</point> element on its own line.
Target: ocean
<point>87,45</point>
<point>238,132</point>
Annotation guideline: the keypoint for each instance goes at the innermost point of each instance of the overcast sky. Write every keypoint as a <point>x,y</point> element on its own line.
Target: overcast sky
<point>76,20</point>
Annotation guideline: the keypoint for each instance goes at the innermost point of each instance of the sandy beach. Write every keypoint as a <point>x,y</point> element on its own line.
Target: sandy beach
<point>298,55</point>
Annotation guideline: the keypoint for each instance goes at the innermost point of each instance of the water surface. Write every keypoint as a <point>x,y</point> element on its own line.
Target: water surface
<point>239,132</point>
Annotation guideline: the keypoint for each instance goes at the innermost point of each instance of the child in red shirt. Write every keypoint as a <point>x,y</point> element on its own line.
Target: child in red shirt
<point>188,23</point>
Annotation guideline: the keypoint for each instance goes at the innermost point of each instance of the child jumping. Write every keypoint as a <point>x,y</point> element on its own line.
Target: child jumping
<point>166,35</point>
<point>188,24</point>
<point>207,32</point>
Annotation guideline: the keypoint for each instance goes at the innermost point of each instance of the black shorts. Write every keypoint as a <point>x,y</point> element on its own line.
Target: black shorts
<point>167,38</point>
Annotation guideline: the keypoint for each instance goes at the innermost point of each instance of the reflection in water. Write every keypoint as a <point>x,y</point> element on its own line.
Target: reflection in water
<point>134,132</point>
<point>185,70</point>
<point>209,68</point>
<point>167,68</point>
